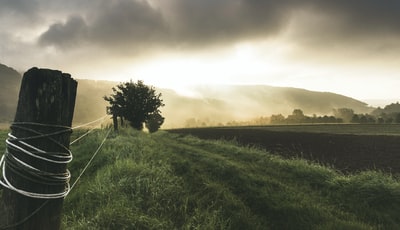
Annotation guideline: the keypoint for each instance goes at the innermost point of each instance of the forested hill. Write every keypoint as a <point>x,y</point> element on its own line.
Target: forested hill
<point>9,82</point>
<point>213,105</point>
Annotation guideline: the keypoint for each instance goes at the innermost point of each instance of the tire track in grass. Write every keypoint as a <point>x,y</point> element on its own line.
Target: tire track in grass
<point>246,184</point>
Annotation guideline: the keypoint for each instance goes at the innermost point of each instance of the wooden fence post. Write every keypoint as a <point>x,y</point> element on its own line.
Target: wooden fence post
<point>115,122</point>
<point>46,105</point>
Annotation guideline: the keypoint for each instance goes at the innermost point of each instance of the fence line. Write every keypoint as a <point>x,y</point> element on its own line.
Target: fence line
<point>89,123</point>
<point>91,159</point>
<point>82,136</point>
<point>91,130</point>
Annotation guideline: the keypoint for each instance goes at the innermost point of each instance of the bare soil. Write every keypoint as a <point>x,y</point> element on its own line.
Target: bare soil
<point>345,152</point>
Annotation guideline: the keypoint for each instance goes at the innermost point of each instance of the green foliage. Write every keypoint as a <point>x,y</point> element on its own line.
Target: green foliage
<point>344,113</point>
<point>154,122</point>
<point>166,181</point>
<point>136,102</point>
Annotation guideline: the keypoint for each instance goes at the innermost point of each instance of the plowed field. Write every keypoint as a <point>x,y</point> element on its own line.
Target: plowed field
<point>361,150</point>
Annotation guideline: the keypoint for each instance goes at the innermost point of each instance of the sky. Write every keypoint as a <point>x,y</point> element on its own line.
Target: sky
<point>350,47</point>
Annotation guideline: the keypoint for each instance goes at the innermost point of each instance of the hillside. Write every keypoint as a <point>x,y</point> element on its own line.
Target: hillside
<point>10,82</point>
<point>212,105</point>
<point>249,101</point>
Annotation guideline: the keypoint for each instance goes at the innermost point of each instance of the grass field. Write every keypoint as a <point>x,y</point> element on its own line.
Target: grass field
<point>169,181</point>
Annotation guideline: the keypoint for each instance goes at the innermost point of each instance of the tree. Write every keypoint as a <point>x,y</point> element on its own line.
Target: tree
<point>397,118</point>
<point>297,116</point>
<point>154,122</point>
<point>345,113</point>
<point>135,102</point>
<point>277,119</point>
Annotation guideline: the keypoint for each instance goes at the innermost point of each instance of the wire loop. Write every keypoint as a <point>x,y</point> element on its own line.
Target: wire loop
<point>29,172</point>
<point>20,156</point>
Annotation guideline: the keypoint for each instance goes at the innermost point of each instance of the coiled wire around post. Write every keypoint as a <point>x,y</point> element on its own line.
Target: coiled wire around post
<point>33,164</point>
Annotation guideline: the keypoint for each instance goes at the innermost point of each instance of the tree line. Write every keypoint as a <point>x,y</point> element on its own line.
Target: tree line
<point>139,105</point>
<point>388,115</point>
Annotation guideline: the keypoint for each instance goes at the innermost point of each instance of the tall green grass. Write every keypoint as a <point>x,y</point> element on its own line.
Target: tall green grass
<point>165,181</point>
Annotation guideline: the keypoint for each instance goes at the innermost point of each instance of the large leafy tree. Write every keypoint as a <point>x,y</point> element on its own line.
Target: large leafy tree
<point>136,103</point>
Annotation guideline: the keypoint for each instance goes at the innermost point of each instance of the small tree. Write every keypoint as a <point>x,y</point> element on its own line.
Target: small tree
<point>134,102</point>
<point>277,119</point>
<point>297,116</point>
<point>345,113</point>
<point>154,122</point>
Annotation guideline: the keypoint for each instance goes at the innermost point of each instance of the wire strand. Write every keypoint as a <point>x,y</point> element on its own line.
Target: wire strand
<point>82,136</point>
<point>92,122</point>
<point>91,159</point>
<point>26,218</point>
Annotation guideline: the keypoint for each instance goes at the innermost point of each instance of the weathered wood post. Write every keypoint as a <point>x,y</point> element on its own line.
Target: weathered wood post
<point>42,126</point>
<point>115,122</point>
<point>111,111</point>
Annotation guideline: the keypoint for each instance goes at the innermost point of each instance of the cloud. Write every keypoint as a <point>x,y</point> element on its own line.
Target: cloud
<point>122,24</point>
<point>20,7</point>
<point>363,18</point>
<point>128,22</point>
<point>220,21</point>
<point>67,34</point>
<point>173,23</point>
<point>133,27</point>
<point>208,22</point>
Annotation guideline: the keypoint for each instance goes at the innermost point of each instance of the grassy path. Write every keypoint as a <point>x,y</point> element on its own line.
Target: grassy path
<point>245,181</point>
<point>167,181</point>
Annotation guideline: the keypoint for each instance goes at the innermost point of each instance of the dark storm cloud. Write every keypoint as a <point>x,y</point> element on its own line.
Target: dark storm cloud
<point>226,20</point>
<point>367,16</point>
<point>195,23</point>
<point>67,34</point>
<point>127,21</point>
<point>174,22</point>
<point>21,7</point>
<point>110,24</point>
<point>348,21</point>
<point>15,14</point>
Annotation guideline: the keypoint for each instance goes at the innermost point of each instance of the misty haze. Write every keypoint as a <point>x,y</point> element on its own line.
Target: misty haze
<point>199,114</point>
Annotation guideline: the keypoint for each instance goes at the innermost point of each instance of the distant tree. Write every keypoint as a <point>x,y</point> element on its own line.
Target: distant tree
<point>298,113</point>
<point>134,102</point>
<point>154,122</point>
<point>297,116</point>
<point>277,119</point>
<point>345,113</point>
<point>363,119</point>
<point>397,118</point>
<point>355,119</point>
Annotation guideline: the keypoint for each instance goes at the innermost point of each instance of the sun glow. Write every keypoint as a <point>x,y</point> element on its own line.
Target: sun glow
<point>249,63</point>
<point>244,63</point>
